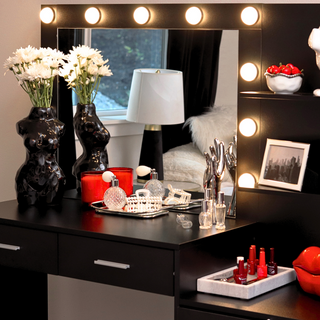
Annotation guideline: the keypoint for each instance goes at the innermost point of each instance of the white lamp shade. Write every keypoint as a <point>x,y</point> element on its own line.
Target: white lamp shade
<point>156,97</point>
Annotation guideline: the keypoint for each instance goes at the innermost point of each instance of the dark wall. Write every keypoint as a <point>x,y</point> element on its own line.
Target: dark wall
<point>291,218</point>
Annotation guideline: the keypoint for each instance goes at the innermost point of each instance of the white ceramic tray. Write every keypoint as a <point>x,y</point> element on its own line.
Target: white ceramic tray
<point>208,284</point>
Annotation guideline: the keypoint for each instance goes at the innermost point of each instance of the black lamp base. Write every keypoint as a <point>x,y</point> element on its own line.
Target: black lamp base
<point>151,151</point>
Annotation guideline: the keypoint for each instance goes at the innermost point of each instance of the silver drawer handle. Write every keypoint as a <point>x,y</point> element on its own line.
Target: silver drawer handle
<point>9,247</point>
<point>112,264</point>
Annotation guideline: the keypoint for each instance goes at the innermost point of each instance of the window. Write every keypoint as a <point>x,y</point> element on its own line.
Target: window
<point>126,49</point>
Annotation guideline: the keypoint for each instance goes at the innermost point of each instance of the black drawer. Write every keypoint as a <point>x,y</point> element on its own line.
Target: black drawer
<point>190,314</point>
<point>28,249</point>
<point>136,267</point>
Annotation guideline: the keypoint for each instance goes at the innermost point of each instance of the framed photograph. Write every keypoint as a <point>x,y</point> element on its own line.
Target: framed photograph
<point>284,164</point>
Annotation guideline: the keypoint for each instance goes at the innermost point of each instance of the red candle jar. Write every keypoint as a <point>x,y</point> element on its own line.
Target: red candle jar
<point>125,177</point>
<point>92,186</point>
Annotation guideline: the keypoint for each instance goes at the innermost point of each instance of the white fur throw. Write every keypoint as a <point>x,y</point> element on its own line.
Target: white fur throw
<point>218,122</point>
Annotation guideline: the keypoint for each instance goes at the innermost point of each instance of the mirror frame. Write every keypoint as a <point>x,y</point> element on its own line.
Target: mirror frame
<point>162,16</point>
<point>165,16</point>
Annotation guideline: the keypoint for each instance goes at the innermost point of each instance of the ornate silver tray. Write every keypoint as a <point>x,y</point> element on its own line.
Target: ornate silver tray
<point>100,207</point>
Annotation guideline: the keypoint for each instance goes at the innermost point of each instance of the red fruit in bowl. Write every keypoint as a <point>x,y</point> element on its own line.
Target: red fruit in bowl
<point>286,70</point>
<point>270,69</point>
<point>290,65</point>
<point>295,70</point>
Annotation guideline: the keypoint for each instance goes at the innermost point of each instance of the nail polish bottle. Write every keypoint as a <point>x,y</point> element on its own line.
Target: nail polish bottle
<point>272,266</point>
<point>262,267</point>
<point>241,276</point>
<point>251,262</point>
<point>205,216</point>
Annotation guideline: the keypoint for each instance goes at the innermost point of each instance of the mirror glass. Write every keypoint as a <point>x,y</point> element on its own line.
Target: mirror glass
<point>129,49</point>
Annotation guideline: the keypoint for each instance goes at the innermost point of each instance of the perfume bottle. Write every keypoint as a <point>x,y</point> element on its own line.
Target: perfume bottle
<point>211,204</point>
<point>155,186</point>
<point>205,216</point>
<point>114,198</point>
<point>220,211</point>
<point>262,270</point>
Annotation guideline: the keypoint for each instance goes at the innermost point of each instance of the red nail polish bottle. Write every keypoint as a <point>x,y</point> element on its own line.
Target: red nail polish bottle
<point>251,262</point>
<point>272,266</point>
<point>241,276</point>
<point>262,267</point>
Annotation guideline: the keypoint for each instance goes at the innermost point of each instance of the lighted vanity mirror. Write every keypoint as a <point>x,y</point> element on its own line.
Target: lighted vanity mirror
<point>169,16</point>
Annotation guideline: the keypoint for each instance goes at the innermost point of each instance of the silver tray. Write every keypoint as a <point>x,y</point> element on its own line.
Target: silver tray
<point>101,208</point>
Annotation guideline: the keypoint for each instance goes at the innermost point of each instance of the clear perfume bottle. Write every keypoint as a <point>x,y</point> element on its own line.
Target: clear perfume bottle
<point>115,197</point>
<point>205,216</point>
<point>154,185</point>
<point>220,211</point>
<point>208,196</point>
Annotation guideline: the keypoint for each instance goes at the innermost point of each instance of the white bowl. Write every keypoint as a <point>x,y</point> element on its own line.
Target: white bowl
<point>282,83</point>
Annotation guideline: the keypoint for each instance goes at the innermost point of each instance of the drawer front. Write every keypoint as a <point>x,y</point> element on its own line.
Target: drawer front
<point>189,314</point>
<point>28,249</point>
<point>119,264</point>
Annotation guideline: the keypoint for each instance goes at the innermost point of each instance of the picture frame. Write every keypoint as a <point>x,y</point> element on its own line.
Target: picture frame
<point>284,164</point>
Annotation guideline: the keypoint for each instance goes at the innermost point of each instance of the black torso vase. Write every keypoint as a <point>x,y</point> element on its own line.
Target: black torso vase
<point>40,180</point>
<point>93,137</point>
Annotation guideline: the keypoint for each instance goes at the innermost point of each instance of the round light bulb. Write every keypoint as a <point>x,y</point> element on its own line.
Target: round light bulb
<point>248,71</point>
<point>247,127</point>
<point>141,15</point>
<point>47,15</point>
<point>194,15</point>
<point>246,180</point>
<point>92,15</point>
<point>249,16</point>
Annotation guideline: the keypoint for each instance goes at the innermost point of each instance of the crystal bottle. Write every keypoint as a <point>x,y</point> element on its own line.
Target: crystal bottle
<point>115,197</point>
<point>155,186</point>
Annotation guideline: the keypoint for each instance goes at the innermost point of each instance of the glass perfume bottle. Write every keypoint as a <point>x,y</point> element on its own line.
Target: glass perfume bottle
<point>154,185</point>
<point>115,197</point>
<point>220,211</point>
<point>205,216</point>
<point>209,197</point>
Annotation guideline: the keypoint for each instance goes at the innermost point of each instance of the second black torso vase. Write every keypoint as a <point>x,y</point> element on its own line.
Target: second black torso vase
<point>40,180</point>
<point>93,137</point>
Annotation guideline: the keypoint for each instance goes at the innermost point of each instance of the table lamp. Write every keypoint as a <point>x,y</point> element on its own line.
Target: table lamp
<point>156,98</point>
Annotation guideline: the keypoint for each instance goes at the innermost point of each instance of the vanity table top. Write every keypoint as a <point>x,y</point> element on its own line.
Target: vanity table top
<point>73,218</point>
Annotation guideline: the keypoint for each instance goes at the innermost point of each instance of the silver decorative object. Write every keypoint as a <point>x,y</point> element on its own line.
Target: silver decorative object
<point>231,164</point>
<point>215,168</point>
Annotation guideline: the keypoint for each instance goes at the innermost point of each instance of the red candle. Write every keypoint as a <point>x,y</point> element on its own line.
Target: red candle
<point>92,186</point>
<point>125,177</point>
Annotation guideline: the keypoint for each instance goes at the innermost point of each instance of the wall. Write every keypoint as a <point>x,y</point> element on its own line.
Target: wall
<point>68,299</point>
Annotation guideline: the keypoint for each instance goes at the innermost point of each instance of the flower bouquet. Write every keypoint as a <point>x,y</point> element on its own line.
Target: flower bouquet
<point>83,71</point>
<point>35,70</point>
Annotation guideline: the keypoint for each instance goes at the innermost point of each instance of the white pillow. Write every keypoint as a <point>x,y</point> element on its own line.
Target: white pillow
<point>184,163</point>
<point>219,122</point>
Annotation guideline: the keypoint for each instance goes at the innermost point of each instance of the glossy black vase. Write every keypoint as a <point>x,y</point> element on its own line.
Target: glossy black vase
<point>40,180</point>
<point>93,137</point>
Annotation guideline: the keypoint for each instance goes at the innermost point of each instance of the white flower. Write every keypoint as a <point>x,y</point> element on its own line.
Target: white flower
<point>83,71</point>
<point>104,71</point>
<point>35,70</point>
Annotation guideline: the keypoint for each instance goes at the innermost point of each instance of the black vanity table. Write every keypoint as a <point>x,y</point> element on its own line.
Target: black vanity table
<point>154,255</point>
